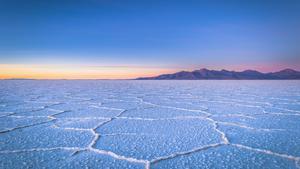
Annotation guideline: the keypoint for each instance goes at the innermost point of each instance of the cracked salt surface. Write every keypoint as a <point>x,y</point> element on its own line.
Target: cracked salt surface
<point>79,123</point>
<point>43,136</point>
<point>158,112</point>
<point>159,138</point>
<point>10,123</point>
<point>226,157</point>
<point>149,124</point>
<point>86,111</point>
<point>275,141</point>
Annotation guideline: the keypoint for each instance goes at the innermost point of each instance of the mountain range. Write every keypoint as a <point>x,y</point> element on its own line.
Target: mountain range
<point>205,74</point>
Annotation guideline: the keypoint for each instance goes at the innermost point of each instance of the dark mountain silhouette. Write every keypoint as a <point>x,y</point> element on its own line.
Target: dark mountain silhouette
<point>227,75</point>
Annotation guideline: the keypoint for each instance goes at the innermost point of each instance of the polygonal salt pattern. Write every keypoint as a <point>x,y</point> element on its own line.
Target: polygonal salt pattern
<point>34,159</point>
<point>90,159</point>
<point>39,113</point>
<point>159,112</point>
<point>91,112</point>
<point>10,123</point>
<point>159,137</point>
<point>79,123</point>
<point>226,157</point>
<point>149,124</point>
<point>272,122</point>
<point>283,142</point>
<point>43,136</point>
<point>125,105</point>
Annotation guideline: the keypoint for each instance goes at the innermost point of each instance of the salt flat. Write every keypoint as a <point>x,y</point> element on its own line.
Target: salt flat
<point>149,124</point>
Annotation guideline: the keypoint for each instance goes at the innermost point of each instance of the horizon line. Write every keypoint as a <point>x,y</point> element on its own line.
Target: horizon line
<point>135,78</point>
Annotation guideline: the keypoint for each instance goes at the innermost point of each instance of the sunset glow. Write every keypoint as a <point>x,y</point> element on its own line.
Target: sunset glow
<point>94,39</point>
<point>75,72</point>
<point>67,71</point>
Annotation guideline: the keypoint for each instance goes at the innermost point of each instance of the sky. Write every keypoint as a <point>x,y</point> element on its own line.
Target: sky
<point>120,39</point>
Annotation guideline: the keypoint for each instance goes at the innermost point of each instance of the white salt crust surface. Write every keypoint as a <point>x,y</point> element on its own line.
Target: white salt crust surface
<point>149,124</point>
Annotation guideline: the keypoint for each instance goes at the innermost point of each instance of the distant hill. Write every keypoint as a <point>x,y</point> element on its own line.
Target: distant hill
<point>203,74</point>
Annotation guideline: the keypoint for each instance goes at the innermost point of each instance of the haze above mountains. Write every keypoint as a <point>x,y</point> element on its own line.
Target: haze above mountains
<point>205,74</point>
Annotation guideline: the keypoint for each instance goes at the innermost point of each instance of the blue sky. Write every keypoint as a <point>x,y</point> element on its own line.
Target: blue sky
<point>183,34</point>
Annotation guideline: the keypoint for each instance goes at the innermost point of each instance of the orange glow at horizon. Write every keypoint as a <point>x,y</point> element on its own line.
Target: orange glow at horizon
<point>8,71</point>
<point>52,71</point>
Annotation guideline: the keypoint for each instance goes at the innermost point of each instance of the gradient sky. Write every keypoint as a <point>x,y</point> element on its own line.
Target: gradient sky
<point>127,39</point>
